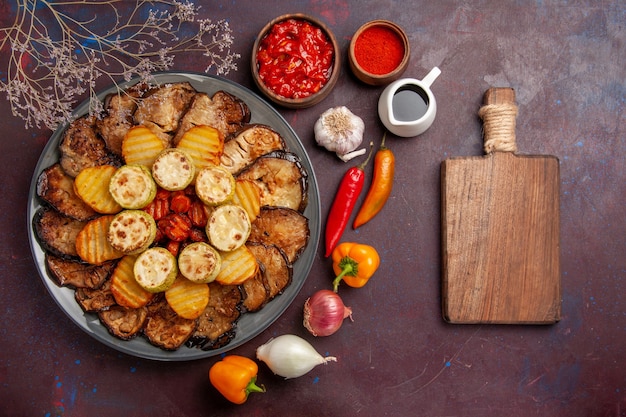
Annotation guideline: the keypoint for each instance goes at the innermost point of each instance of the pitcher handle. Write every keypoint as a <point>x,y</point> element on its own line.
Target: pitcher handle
<point>431,77</point>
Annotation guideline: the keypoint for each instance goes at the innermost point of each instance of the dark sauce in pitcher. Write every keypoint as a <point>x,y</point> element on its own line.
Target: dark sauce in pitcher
<point>409,103</point>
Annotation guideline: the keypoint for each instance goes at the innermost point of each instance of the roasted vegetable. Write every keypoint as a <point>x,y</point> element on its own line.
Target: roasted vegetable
<point>223,111</point>
<point>199,262</point>
<point>228,227</point>
<point>249,144</point>
<point>216,324</point>
<point>123,323</point>
<point>141,146</point>
<point>92,186</point>
<point>284,227</point>
<point>274,265</point>
<point>93,300</point>
<point>56,188</point>
<point>166,329</point>
<point>188,299</point>
<point>281,178</point>
<point>127,292</point>
<point>82,148</point>
<point>173,169</point>
<point>132,231</point>
<point>238,266</point>
<point>155,269</point>
<point>92,244</point>
<point>76,274</point>
<point>57,233</point>
<point>215,185</point>
<point>132,186</point>
<point>205,145</point>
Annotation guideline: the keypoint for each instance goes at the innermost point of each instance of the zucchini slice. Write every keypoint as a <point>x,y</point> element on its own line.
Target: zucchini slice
<point>173,169</point>
<point>155,269</point>
<point>132,186</point>
<point>199,262</point>
<point>228,227</point>
<point>215,185</point>
<point>132,231</point>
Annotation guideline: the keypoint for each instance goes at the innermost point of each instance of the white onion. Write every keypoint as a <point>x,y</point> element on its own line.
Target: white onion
<point>290,356</point>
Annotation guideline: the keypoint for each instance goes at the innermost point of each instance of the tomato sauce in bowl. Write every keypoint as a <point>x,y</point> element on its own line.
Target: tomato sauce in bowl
<point>295,61</point>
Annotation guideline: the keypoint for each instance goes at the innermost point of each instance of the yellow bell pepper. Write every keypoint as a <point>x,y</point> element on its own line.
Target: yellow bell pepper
<point>235,378</point>
<point>354,263</point>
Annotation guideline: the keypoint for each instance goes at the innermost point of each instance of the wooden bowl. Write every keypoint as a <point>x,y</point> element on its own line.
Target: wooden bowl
<point>314,98</point>
<point>396,71</point>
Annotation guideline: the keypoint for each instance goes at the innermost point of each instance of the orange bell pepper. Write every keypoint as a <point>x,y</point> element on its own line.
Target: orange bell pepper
<point>235,378</point>
<point>354,263</point>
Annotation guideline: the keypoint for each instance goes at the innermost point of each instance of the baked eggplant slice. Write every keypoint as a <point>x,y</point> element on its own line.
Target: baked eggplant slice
<point>165,329</point>
<point>123,323</point>
<point>282,179</point>
<point>284,227</point>
<point>77,274</point>
<point>95,300</point>
<point>251,142</point>
<point>56,188</point>
<point>276,268</point>
<point>256,292</point>
<point>223,111</point>
<point>216,324</point>
<point>162,108</point>
<point>118,118</point>
<point>57,233</point>
<point>81,147</point>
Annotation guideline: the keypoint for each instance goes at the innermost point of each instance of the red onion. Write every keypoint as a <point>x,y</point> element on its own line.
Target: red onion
<point>324,312</point>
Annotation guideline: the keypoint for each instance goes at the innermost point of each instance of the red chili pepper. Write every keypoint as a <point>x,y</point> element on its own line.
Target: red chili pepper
<point>343,205</point>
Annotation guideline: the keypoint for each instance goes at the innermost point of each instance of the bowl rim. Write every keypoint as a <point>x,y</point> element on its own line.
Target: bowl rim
<point>313,98</point>
<point>400,68</point>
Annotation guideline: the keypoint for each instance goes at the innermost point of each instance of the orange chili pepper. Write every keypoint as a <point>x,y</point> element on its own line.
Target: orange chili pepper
<point>380,189</point>
<point>354,263</point>
<point>235,378</point>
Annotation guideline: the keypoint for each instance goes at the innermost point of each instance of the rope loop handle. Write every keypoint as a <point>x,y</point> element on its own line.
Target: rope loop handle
<point>499,127</point>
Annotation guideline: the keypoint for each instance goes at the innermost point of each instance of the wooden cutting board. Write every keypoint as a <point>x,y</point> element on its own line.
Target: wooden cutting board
<point>500,228</point>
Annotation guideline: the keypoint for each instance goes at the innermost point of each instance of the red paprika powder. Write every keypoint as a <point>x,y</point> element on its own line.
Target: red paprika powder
<point>379,50</point>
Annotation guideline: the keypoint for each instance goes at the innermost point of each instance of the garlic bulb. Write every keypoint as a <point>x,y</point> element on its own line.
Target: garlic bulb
<point>290,356</point>
<point>339,130</point>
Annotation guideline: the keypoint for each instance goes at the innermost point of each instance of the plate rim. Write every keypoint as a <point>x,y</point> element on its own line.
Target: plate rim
<point>88,322</point>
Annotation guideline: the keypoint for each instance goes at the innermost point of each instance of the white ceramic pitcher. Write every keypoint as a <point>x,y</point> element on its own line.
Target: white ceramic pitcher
<point>407,107</point>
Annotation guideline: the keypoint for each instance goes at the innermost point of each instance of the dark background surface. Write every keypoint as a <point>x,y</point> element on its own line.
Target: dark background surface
<point>566,61</point>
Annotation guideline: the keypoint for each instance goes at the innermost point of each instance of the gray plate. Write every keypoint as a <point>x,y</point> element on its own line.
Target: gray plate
<point>250,324</point>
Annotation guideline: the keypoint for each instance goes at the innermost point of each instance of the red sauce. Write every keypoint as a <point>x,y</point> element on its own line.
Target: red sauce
<point>295,58</point>
<point>379,50</point>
